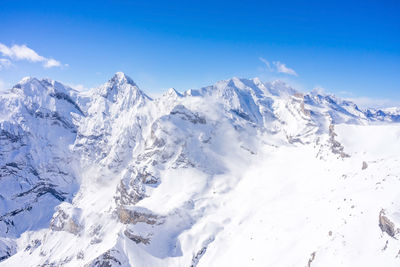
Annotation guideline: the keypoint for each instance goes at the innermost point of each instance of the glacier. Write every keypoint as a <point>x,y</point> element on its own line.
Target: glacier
<point>239,173</point>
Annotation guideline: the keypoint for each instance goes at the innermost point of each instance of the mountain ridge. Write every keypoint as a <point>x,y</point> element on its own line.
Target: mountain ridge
<point>104,176</point>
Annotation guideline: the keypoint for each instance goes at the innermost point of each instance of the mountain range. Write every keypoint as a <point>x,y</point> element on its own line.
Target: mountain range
<point>239,173</point>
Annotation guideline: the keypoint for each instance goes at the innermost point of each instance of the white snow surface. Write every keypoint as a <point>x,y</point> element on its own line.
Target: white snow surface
<point>240,173</point>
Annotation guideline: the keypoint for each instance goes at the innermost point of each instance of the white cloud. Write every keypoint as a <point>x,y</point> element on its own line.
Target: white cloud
<point>368,102</point>
<point>266,63</point>
<point>3,86</point>
<point>5,63</point>
<point>78,87</point>
<point>22,52</point>
<point>319,90</point>
<point>51,63</point>
<point>278,67</point>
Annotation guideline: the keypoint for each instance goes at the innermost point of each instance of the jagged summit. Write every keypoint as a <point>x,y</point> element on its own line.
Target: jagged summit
<point>26,79</point>
<point>32,86</point>
<point>172,92</point>
<point>120,78</point>
<point>121,87</point>
<point>240,94</point>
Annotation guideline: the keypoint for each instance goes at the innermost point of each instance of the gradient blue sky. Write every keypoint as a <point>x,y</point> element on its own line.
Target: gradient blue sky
<point>350,48</point>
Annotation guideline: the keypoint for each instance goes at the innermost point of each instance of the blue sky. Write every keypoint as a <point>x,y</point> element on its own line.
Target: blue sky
<point>350,48</point>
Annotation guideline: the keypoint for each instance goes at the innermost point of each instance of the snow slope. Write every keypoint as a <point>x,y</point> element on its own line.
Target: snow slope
<point>240,173</point>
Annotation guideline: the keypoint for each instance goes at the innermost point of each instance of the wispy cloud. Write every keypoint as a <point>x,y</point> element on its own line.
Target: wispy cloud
<point>369,102</point>
<point>2,86</point>
<point>5,63</point>
<point>78,87</point>
<point>279,67</point>
<point>51,63</point>
<point>266,62</point>
<point>362,101</point>
<point>22,52</point>
<point>366,101</point>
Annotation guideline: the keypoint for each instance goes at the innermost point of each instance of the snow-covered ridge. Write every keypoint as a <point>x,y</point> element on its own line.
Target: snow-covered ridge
<point>114,177</point>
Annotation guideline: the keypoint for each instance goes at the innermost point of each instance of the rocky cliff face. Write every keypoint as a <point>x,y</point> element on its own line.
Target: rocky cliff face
<point>112,177</point>
<point>37,166</point>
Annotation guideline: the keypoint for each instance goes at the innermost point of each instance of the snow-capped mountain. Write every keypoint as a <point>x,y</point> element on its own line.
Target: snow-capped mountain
<point>240,173</point>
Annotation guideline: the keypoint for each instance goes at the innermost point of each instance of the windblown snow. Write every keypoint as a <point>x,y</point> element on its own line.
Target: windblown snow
<point>240,173</point>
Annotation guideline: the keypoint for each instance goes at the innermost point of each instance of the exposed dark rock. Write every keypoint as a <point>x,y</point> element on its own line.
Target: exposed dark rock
<point>136,238</point>
<point>158,142</point>
<point>42,188</point>
<point>62,221</point>
<point>364,165</point>
<point>387,225</point>
<point>5,256</point>
<point>293,140</point>
<point>54,116</point>
<point>241,114</point>
<point>386,245</point>
<point>7,218</point>
<point>34,244</point>
<point>80,255</point>
<point>7,251</point>
<point>67,98</point>
<point>188,115</point>
<point>107,259</point>
<point>5,135</point>
<point>196,258</point>
<point>311,259</point>
<point>183,161</point>
<point>127,216</point>
<point>128,195</point>
<point>336,147</point>
<point>147,178</point>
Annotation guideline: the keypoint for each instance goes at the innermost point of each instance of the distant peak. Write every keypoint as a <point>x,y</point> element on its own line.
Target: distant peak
<point>257,80</point>
<point>279,82</point>
<point>172,92</point>
<point>317,91</point>
<point>32,86</point>
<point>121,78</point>
<point>26,79</point>
<point>120,85</point>
<point>29,82</point>
<point>279,87</point>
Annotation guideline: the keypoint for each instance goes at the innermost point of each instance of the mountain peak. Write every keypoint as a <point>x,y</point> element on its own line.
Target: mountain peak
<point>33,86</point>
<point>26,79</point>
<point>122,87</point>
<point>81,169</point>
<point>172,92</point>
<point>29,86</point>
<point>119,82</point>
<point>121,78</point>
<point>280,88</point>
